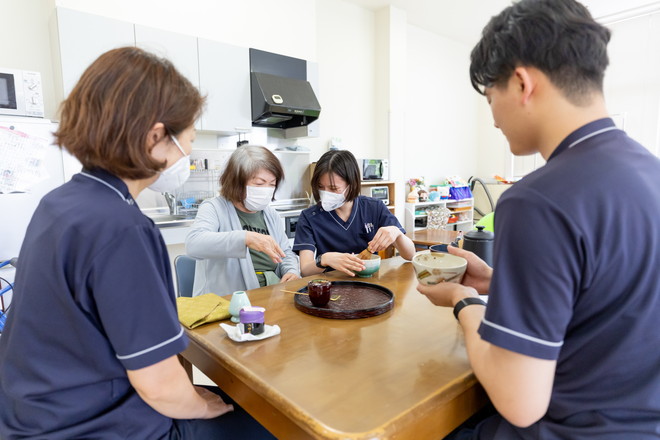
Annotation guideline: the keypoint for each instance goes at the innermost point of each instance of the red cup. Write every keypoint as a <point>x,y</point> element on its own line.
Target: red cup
<point>319,292</point>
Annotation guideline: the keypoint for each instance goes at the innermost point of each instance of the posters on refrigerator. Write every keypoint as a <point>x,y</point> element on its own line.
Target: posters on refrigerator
<point>21,160</point>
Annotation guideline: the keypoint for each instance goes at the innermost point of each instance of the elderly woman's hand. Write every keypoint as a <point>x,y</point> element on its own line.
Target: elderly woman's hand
<point>289,276</point>
<point>266,244</point>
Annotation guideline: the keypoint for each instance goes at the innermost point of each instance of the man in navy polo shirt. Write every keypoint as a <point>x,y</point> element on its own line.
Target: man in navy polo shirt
<point>568,345</point>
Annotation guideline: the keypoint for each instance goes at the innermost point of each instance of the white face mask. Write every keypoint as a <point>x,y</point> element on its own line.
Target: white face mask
<point>331,201</point>
<point>173,177</point>
<point>257,198</point>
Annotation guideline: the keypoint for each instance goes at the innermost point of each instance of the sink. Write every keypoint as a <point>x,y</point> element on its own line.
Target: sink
<point>172,220</point>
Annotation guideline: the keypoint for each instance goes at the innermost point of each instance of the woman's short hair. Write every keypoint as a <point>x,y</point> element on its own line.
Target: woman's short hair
<point>343,164</point>
<point>243,164</point>
<point>558,37</point>
<point>105,120</point>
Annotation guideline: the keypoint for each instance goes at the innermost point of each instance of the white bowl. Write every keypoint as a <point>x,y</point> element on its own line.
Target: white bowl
<point>435,267</point>
<point>370,266</point>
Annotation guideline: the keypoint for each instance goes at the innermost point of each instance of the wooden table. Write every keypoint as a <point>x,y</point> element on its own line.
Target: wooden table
<point>429,237</point>
<point>400,375</point>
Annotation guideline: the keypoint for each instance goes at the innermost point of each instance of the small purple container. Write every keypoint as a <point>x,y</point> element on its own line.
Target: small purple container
<point>252,319</point>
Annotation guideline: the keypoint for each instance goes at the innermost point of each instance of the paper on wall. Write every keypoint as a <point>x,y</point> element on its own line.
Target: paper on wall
<point>21,160</point>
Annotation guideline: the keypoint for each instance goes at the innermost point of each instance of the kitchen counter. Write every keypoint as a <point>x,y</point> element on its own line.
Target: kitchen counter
<point>172,221</point>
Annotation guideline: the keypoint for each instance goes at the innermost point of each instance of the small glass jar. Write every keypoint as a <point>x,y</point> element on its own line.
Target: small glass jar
<point>319,292</point>
<point>238,300</point>
<point>252,320</point>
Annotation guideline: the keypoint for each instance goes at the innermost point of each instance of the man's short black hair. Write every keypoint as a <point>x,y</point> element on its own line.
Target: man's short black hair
<point>558,37</point>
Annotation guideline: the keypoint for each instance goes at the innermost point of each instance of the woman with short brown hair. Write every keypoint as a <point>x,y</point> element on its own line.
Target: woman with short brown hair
<point>238,239</point>
<point>90,346</point>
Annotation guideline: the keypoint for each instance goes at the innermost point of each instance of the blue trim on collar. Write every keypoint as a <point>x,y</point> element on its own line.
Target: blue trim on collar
<point>580,133</point>
<point>112,181</point>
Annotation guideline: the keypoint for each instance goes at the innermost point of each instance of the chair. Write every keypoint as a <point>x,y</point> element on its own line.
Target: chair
<point>184,270</point>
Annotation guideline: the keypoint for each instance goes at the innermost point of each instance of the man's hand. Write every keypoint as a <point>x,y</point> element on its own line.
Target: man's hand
<point>266,244</point>
<point>446,294</point>
<point>289,276</point>
<point>347,263</point>
<point>384,238</point>
<point>478,273</point>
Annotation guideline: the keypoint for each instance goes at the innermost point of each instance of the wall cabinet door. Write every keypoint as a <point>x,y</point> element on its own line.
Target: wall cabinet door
<point>83,37</point>
<point>224,76</point>
<point>180,49</point>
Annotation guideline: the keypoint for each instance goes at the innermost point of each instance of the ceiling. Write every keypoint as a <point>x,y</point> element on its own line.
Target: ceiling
<point>463,20</point>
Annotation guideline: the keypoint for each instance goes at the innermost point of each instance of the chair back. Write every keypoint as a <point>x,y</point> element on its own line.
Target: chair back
<point>184,270</point>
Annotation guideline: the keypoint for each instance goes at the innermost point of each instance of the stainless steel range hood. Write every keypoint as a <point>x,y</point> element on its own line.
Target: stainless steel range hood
<point>279,102</point>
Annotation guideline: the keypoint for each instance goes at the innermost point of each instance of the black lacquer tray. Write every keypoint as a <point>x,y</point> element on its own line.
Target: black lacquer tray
<point>357,299</point>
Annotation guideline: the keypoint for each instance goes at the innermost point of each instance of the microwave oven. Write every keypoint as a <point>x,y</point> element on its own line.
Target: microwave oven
<point>20,93</point>
<point>374,169</point>
<point>381,193</point>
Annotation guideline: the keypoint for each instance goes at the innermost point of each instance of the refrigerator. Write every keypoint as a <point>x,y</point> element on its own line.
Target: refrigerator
<point>27,152</point>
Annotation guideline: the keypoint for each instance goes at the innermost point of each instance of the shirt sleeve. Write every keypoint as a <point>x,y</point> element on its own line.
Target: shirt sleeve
<point>209,237</point>
<point>130,281</point>
<point>304,238</point>
<point>536,276</point>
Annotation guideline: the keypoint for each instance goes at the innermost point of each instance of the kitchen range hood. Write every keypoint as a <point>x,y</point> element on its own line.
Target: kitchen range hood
<point>280,102</point>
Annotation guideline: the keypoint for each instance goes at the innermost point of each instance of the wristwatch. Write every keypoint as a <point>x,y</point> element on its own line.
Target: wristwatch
<point>318,262</point>
<point>467,302</point>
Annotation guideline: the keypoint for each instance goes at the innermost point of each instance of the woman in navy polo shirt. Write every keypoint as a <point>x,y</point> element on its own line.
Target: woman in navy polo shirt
<point>344,223</point>
<point>89,350</point>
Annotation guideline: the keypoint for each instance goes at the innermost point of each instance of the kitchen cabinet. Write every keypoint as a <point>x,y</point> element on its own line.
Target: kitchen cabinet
<point>180,49</point>
<point>415,217</point>
<point>224,76</point>
<point>83,37</point>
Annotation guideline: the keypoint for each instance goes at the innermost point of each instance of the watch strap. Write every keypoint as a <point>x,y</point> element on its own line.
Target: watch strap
<point>318,262</point>
<point>467,302</point>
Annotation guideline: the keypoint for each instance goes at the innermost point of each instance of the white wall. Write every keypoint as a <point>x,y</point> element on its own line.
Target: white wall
<point>346,56</point>
<point>442,123</point>
<point>632,87</point>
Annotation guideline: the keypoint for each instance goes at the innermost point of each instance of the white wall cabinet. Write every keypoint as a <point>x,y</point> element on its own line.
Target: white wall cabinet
<point>180,49</point>
<point>83,37</point>
<point>463,210</point>
<point>224,75</point>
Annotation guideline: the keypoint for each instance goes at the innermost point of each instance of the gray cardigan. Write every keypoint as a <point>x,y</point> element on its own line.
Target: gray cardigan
<point>217,240</point>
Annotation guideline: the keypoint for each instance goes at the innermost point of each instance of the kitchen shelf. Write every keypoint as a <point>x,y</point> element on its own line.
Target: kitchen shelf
<point>391,185</point>
<point>463,208</point>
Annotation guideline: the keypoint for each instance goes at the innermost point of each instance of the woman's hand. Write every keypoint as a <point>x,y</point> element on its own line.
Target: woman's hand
<point>289,276</point>
<point>215,405</point>
<point>347,263</point>
<point>266,244</point>
<point>385,236</point>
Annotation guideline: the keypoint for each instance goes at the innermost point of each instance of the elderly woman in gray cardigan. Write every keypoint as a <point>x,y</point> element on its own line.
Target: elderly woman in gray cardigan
<point>237,238</point>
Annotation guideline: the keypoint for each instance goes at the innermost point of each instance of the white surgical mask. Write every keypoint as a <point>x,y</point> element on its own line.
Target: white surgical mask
<point>173,177</point>
<point>331,201</point>
<point>257,198</point>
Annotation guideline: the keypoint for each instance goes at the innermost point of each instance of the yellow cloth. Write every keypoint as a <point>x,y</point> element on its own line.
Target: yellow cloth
<point>202,309</point>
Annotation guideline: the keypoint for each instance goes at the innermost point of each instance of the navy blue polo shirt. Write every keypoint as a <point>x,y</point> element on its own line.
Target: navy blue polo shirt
<point>322,231</point>
<point>576,280</point>
<point>93,298</point>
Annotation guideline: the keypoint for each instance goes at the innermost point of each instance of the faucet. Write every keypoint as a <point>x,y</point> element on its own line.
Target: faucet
<point>171,202</point>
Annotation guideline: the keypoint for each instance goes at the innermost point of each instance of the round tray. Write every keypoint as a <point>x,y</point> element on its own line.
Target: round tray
<point>357,300</point>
